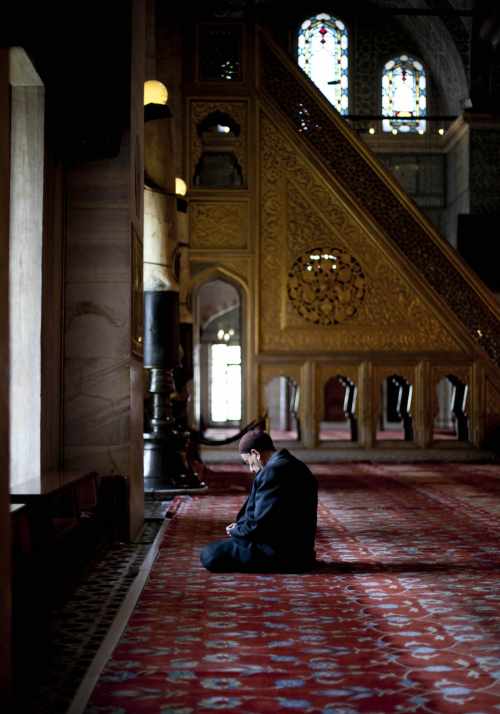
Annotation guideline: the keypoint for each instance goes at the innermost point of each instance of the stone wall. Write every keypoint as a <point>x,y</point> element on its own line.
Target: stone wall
<point>457,183</point>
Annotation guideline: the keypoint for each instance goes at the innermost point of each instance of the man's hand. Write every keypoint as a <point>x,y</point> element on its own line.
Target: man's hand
<point>229,528</point>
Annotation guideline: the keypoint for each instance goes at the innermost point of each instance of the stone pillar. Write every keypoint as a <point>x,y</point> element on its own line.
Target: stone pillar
<point>25,274</point>
<point>166,467</point>
<point>307,409</point>
<point>369,401</point>
<point>5,524</point>
<point>457,177</point>
<point>161,345</point>
<point>186,373</point>
<point>103,393</point>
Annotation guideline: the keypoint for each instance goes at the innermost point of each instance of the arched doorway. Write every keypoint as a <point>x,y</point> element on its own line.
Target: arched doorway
<point>339,422</point>
<point>282,399</point>
<point>395,420</point>
<point>218,358</point>
<point>451,420</point>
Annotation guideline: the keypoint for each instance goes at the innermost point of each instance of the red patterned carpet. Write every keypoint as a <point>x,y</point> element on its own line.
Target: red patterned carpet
<point>403,615</point>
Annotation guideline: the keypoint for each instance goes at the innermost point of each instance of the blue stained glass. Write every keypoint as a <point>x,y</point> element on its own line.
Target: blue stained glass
<point>404,95</point>
<point>322,52</point>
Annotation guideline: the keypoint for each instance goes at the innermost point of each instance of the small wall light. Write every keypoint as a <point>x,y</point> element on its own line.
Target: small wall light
<point>155,92</point>
<point>394,131</point>
<point>441,131</point>
<point>371,130</point>
<point>155,101</point>
<point>180,187</point>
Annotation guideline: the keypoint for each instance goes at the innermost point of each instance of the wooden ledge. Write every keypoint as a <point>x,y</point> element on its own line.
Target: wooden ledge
<point>50,482</point>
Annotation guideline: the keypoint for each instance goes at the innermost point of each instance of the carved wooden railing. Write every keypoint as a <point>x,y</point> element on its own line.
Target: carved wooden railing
<point>352,164</point>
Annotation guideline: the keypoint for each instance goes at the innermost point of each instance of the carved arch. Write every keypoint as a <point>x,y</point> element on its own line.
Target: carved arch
<point>218,272</point>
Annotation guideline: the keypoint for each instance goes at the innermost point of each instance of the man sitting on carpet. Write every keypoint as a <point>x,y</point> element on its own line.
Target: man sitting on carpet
<point>275,529</point>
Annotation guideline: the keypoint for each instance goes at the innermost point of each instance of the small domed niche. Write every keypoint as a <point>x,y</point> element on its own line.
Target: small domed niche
<point>218,166</point>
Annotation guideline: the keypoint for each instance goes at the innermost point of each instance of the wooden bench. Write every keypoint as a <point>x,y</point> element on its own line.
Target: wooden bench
<point>57,505</point>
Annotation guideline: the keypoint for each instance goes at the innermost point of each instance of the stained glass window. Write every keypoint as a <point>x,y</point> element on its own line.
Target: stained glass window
<point>322,46</point>
<point>404,95</point>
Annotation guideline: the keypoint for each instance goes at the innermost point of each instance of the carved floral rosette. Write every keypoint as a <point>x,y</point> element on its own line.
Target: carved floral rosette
<point>326,286</point>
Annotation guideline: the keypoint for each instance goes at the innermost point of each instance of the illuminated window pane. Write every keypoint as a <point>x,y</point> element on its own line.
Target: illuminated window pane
<point>225,383</point>
<point>404,95</point>
<point>322,52</point>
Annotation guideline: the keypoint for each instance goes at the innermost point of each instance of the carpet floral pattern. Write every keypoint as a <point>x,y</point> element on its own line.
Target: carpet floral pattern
<point>402,613</point>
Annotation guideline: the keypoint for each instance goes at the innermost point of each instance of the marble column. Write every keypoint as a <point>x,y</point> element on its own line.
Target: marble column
<point>162,464</point>
<point>5,522</point>
<point>186,372</point>
<point>25,270</point>
<point>166,467</point>
<point>185,313</point>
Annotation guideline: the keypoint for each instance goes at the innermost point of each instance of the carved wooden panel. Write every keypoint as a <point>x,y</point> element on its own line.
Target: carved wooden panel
<point>300,212</point>
<point>349,163</point>
<point>219,225</point>
<point>326,285</point>
<point>234,266</point>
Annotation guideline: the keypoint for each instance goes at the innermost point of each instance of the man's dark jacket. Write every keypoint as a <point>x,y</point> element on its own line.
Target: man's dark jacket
<point>280,513</point>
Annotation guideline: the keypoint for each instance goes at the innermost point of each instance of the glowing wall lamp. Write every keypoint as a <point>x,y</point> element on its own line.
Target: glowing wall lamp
<point>180,187</point>
<point>155,92</point>
<point>180,192</point>
<point>155,100</point>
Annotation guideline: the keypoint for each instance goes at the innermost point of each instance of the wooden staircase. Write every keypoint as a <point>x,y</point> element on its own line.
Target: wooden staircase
<point>297,115</point>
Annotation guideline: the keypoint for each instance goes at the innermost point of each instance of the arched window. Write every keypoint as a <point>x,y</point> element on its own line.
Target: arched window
<point>404,95</point>
<point>322,52</point>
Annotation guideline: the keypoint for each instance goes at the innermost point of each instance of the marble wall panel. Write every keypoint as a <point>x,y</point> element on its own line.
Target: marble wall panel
<point>97,402</point>
<point>103,223</point>
<point>95,261</point>
<point>103,398</point>
<point>104,459</point>
<point>97,321</point>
